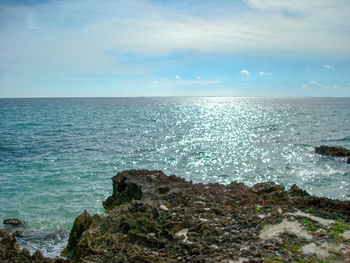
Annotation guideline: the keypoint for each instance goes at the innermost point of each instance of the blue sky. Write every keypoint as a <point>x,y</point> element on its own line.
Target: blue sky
<point>87,48</point>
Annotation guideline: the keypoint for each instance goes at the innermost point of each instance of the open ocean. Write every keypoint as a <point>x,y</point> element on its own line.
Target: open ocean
<point>57,156</point>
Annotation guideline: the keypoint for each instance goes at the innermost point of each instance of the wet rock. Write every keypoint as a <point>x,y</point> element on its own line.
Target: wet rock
<point>13,222</point>
<point>348,160</point>
<point>334,151</point>
<point>10,251</point>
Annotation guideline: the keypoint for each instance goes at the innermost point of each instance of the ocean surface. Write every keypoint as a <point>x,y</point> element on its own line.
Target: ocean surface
<point>57,156</point>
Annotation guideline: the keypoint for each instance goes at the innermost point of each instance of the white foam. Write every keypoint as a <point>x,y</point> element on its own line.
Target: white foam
<point>49,244</point>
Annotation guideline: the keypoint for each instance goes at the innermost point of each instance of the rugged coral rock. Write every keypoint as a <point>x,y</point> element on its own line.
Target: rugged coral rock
<point>332,151</point>
<point>152,217</point>
<point>124,190</point>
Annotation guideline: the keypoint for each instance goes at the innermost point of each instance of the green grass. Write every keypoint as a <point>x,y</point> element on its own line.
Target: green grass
<point>338,230</point>
<point>273,259</point>
<point>309,226</point>
<point>313,260</point>
<point>291,248</point>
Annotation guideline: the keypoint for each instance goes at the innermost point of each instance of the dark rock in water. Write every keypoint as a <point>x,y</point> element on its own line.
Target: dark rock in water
<point>13,222</point>
<point>348,160</point>
<point>332,151</point>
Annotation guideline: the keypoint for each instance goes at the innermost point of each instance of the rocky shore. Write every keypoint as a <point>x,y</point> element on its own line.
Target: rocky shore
<point>152,217</point>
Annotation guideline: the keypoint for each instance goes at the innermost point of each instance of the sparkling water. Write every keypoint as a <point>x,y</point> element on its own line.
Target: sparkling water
<point>57,155</point>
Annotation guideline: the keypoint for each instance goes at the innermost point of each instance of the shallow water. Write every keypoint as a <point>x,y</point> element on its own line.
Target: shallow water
<point>57,155</point>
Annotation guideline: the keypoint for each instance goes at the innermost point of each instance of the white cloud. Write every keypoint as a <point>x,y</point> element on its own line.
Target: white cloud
<point>244,72</point>
<point>265,73</point>
<point>328,66</point>
<point>199,78</point>
<point>181,82</point>
<point>197,82</point>
<point>316,84</point>
<point>304,86</point>
<point>177,77</point>
<point>127,26</point>
<point>91,36</point>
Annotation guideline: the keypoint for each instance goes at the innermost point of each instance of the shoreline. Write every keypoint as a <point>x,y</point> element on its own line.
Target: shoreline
<point>152,217</point>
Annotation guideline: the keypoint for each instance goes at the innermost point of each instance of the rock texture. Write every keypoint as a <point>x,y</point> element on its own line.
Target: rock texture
<point>152,217</point>
<point>335,151</point>
<point>13,222</point>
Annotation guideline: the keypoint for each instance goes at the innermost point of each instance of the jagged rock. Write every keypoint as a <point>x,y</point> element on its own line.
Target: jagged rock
<point>81,223</point>
<point>334,151</point>
<point>296,191</point>
<point>8,244</point>
<point>266,188</point>
<point>124,190</point>
<point>12,222</point>
<point>325,207</point>
<point>157,218</point>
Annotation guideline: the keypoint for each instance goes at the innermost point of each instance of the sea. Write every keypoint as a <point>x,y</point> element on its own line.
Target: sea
<point>57,155</point>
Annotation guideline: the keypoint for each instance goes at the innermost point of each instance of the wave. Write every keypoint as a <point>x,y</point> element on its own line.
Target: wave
<point>49,244</point>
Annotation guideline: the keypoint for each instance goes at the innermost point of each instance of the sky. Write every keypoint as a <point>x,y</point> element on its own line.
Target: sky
<point>111,48</point>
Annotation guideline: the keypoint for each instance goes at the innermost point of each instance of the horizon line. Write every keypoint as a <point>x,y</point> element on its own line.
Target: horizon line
<point>178,96</point>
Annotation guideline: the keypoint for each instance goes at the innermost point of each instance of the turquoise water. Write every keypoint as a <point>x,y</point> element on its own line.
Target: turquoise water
<point>57,155</point>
